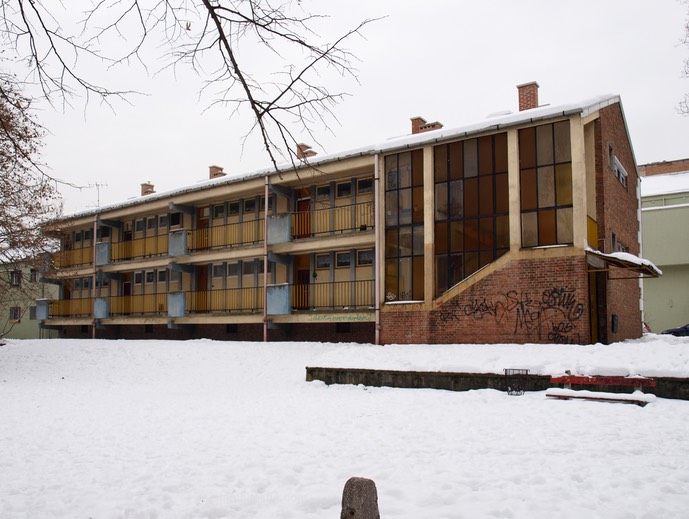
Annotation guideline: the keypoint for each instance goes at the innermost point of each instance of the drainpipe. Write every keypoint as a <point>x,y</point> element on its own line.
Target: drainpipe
<point>265,261</point>
<point>379,264</point>
<point>93,280</point>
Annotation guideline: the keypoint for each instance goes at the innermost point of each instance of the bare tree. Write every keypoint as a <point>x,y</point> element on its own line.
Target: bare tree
<point>257,57</point>
<point>27,197</point>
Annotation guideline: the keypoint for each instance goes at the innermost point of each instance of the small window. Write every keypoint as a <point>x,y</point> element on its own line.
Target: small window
<point>15,314</point>
<point>233,208</point>
<point>250,205</point>
<point>87,235</point>
<point>364,185</point>
<point>77,284</point>
<point>150,276</point>
<point>139,226</point>
<point>322,261</point>
<point>162,276</point>
<point>219,211</point>
<point>323,193</point>
<point>343,259</point>
<point>77,237</point>
<point>152,221</point>
<point>34,275</point>
<point>175,219</point>
<point>175,276</point>
<point>263,203</point>
<point>16,278</point>
<point>364,257</point>
<point>248,268</point>
<point>344,189</point>
<point>86,283</point>
<point>233,269</point>
<point>32,313</point>
<point>218,270</point>
<point>343,327</point>
<point>260,267</point>
<point>205,212</point>
<point>103,232</point>
<point>162,221</point>
<point>138,278</point>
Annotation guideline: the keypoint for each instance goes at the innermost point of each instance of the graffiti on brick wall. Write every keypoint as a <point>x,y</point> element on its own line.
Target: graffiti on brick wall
<point>552,316</point>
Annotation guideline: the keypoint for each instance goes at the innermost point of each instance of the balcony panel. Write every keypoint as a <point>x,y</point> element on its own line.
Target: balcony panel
<point>333,220</point>
<point>225,300</point>
<point>73,257</point>
<point>140,248</point>
<point>143,304</point>
<point>229,235</point>
<point>70,307</point>
<point>344,294</point>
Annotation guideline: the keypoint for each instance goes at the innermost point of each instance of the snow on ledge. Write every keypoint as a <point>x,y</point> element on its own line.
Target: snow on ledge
<point>628,258</point>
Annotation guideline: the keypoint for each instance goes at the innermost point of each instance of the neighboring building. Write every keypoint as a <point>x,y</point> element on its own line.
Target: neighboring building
<point>507,230</point>
<point>20,286</point>
<point>665,224</point>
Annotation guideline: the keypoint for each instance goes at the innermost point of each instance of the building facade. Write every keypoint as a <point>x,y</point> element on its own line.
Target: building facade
<point>520,228</point>
<point>664,217</point>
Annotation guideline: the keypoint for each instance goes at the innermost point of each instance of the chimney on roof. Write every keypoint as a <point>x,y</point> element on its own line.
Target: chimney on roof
<point>304,151</point>
<point>419,125</point>
<point>215,172</point>
<point>528,96</point>
<point>147,188</point>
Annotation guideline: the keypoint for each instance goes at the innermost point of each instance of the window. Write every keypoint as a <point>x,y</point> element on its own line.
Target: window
<point>620,172</point>
<point>33,276</point>
<point>77,237</point>
<point>16,278</point>
<point>103,232</point>
<point>175,219</point>
<point>87,235</point>
<point>162,221</point>
<point>162,276</point>
<point>148,328</point>
<point>233,269</point>
<point>139,225</point>
<point>219,211</point>
<point>364,257</point>
<point>138,278</point>
<point>15,314</point>
<point>250,205</point>
<point>175,276</point>
<point>247,268</point>
<point>231,328</point>
<point>323,261</point>
<point>343,327</point>
<point>343,259</point>
<point>219,270</point>
<point>32,313</point>
<point>260,267</point>
<point>344,189</point>
<point>545,178</point>
<point>263,203</point>
<point>205,212</point>
<point>404,272</point>
<point>233,208</point>
<point>86,283</point>
<point>323,193</point>
<point>150,276</point>
<point>364,185</point>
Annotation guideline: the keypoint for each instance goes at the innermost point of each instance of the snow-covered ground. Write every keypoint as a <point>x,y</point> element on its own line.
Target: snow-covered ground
<point>204,429</point>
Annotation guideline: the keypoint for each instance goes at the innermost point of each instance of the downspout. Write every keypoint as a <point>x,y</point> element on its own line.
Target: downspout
<point>93,280</point>
<point>265,261</point>
<point>378,263</point>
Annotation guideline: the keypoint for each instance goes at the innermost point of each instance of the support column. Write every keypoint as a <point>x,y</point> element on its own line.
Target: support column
<point>514,190</point>
<point>428,225</point>
<point>579,211</point>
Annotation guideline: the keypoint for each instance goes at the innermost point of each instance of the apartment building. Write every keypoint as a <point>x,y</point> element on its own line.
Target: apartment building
<point>519,228</point>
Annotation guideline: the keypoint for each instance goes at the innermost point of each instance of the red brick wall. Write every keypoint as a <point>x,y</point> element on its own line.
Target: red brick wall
<point>537,301</point>
<point>617,211</point>
<point>660,168</point>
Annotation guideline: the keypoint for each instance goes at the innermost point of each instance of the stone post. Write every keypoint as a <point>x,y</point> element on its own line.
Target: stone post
<point>360,499</point>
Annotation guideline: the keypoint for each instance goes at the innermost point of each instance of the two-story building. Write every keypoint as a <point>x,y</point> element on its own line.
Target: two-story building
<point>518,228</point>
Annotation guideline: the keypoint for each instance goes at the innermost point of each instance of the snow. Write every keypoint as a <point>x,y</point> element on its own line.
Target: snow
<point>627,257</point>
<point>667,184</point>
<point>636,396</point>
<point>209,429</point>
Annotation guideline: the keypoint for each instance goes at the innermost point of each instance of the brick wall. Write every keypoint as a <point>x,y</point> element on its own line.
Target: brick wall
<point>667,166</point>
<point>536,301</point>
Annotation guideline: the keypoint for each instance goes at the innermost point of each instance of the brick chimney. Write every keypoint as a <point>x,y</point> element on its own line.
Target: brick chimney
<point>147,188</point>
<point>528,96</point>
<point>304,151</point>
<point>419,125</point>
<point>215,172</point>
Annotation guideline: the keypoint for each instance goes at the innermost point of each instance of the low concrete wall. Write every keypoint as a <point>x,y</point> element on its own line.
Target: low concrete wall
<point>677,388</point>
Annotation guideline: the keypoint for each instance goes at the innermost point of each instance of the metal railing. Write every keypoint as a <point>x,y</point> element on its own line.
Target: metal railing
<point>340,294</point>
<point>228,235</point>
<point>225,300</point>
<point>70,307</point>
<point>73,257</point>
<point>141,304</point>
<point>140,248</point>
<point>332,220</point>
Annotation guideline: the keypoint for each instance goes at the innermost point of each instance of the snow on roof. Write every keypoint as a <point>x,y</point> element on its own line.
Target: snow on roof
<point>666,184</point>
<point>399,143</point>
<point>626,257</point>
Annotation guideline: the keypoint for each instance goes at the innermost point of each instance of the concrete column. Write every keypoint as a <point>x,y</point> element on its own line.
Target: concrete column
<point>428,224</point>
<point>514,190</point>
<point>579,210</point>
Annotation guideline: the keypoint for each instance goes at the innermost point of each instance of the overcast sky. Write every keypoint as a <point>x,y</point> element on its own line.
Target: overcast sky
<point>452,61</point>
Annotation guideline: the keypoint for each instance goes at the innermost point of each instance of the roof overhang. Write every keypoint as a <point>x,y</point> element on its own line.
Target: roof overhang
<point>621,261</point>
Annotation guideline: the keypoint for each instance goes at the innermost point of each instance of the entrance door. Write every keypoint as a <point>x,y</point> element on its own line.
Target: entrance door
<point>126,299</point>
<point>203,231</point>
<point>302,299</point>
<point>201,295</point>
<point>302,220</point>
<point>598,307</point>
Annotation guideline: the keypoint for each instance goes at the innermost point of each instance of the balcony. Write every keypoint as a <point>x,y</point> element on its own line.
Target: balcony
<point>70,308</point>
<point>333,220</point>
<point>229,235</point>
<point>139,304</point>
<point>225,300</point>
<point>73,257</point>
<point>140,248</point>
<point>341,294</point>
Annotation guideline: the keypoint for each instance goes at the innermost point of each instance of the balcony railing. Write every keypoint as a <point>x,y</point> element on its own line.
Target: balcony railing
<point>139,304</point>
<point>73,257</point>
<point>70,307</point>
<point>229,235</point>
<point>341,294</point>
<point>225,300</point>
<point>140,248</point>
<point>332,220</point>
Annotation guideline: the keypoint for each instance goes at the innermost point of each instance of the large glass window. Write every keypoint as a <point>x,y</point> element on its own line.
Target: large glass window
<point>471,207</point>
<point>404,274</point>
<point>545,175</point>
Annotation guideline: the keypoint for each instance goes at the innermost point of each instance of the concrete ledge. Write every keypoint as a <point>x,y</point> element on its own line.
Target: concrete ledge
<point>676,388</point>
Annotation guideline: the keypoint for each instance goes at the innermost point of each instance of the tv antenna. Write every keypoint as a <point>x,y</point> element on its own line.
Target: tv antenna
<point>97,186</point>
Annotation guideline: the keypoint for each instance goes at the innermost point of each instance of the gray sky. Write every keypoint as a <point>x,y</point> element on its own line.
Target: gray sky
<point>451,61</point>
